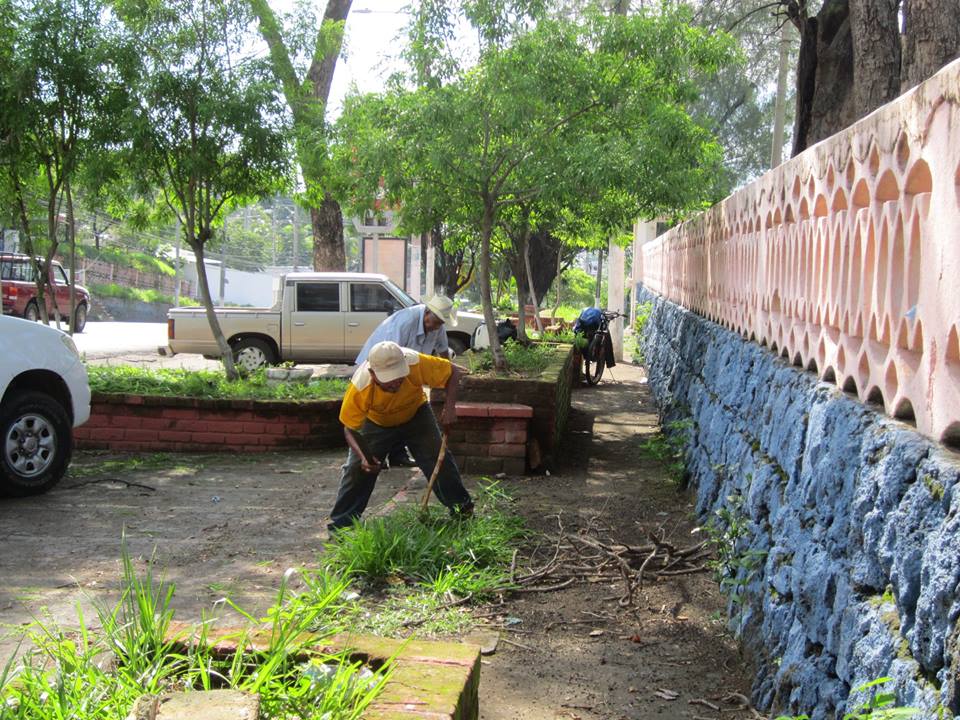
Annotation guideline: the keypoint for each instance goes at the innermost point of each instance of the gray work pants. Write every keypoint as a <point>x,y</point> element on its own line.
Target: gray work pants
<point>422,435</point>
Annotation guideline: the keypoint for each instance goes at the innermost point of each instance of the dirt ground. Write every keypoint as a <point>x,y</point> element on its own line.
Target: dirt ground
<point>231,525</point>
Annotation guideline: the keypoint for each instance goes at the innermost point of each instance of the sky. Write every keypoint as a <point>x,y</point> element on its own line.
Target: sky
<point>372,43</point>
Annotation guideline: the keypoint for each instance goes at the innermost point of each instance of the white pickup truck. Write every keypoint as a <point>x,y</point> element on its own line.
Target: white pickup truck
<point>318,318</point>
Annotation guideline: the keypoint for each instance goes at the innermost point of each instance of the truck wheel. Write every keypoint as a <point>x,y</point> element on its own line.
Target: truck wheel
<point>457,345</point>
<point>36,444</point>
<point>80,318</point>
<point>251,354</point>
<point>31,312</point>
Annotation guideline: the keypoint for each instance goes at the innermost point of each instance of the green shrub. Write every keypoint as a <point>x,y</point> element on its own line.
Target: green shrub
<point>175,382</point>
<point>127,258</point>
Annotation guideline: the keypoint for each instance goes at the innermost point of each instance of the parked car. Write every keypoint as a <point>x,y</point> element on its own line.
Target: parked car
<point>318,318</point>
<point>19,291</point>
<point>43,395</point>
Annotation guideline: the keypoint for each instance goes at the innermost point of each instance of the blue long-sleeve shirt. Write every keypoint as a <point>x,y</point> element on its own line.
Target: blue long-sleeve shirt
<point>405,328</point>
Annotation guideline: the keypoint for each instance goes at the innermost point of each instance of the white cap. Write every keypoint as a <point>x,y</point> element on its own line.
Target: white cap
<point>388,361</point>
<point>443,308</point>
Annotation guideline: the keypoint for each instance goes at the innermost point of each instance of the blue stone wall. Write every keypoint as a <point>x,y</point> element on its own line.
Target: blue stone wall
<point>852,521</point>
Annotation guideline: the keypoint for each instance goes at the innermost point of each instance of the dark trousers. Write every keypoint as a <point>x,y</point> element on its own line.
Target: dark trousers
<point>422,435</point>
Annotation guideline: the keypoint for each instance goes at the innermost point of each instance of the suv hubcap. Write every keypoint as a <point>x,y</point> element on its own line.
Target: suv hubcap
<point>30,445</point>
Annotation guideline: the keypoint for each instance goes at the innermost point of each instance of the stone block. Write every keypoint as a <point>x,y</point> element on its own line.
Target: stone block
<point>197,705</point>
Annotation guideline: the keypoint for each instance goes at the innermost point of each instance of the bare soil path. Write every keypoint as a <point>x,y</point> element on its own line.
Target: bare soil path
<point>576,652</point>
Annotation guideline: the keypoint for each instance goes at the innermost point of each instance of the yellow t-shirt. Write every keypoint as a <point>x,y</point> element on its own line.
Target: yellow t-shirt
<point>366,400</point>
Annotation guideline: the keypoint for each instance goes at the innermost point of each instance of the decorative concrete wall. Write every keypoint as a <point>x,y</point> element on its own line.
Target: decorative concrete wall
<point>850,549</point>
<point>845,259</point>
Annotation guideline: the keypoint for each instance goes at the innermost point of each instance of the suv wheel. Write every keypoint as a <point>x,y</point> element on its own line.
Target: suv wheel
<point>35,444</point>
<point>31,312</point>
<point>79,318</point>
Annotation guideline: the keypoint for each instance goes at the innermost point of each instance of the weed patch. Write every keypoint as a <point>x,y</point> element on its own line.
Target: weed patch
<point>440,556</point>
<point>526,360</point>
<point>669,447</point>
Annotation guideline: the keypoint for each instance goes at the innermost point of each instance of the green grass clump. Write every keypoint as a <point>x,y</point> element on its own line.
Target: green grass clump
<point>529,360</point>
<point>76,674</point>
<point>432,553</point>
<point>170,382</point>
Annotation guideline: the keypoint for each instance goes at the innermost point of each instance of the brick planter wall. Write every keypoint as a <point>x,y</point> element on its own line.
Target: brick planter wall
<point>548,395</point>
<point>135,423</point>
<point>491,438</point>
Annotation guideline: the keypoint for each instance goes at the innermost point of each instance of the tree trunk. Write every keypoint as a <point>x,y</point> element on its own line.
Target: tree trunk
<point>876,53</point>
<point>453,271</point>
<point>932,38</point>
<point>226,353</point>
<point>825,103</point>
<point>327,224</point>
<point>486,231</point>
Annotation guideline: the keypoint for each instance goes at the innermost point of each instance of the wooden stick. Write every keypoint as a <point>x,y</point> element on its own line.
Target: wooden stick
<point>436,471</point>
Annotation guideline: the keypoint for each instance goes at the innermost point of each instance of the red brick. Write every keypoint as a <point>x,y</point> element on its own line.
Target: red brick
<point>508,451</point>
<point>174,436</point>
<point>154,423</point>
<point>208,437</point>
<point>510,410</point>
<point>254,428</point>
<point>472,449</point>
<point>275,429</point>
<point>140,435</point>
<point>97,420</point>
<point>134,400</point>
<point>125,421</point>
<point>514,437</point>
<point>184,413</point>
<point>81,433</point>
<point>509,424</point>
<point>468,409</point>
<point>106,434</point>
<point>299,428</point>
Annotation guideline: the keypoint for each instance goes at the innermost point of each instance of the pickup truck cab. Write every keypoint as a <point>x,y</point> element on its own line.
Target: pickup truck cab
<point>318,318</point>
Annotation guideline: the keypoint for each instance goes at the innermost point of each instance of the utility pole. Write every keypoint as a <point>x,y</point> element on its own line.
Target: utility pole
<point>779,108</point>
<point>223,263</point>
<point>296,235</point>
<point>176,265</point>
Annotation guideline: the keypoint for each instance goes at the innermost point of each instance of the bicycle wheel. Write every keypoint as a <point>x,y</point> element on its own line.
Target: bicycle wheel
<point>594,360</point>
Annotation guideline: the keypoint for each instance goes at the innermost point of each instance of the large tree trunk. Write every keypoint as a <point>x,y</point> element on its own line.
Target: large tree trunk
<point>876,53</point>
<point>543,248</point>
<point>486,231</point>
<point>825,102</point>
<point>453,271</point>
<point>932,38</point>
<point>327,224</point>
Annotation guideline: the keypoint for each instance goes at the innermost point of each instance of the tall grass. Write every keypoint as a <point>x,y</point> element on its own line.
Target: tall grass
<point>434,552</point>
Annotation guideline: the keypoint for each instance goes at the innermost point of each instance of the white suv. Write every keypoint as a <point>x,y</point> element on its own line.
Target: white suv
<point>43,394</point>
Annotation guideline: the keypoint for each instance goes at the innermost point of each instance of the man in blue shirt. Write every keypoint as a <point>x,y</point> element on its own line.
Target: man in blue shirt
<point>418,327</point>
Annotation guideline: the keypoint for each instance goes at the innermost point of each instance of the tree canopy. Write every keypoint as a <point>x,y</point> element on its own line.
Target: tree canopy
<point>589,115</point>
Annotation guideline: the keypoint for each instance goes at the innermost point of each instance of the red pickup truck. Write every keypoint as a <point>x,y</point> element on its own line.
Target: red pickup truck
<point>19,290</point>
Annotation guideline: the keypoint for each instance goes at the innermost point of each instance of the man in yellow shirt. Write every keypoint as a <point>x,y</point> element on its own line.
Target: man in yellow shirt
<point>385,406</point>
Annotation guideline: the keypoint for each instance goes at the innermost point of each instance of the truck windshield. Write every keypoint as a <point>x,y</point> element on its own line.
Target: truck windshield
<point>395,289</point>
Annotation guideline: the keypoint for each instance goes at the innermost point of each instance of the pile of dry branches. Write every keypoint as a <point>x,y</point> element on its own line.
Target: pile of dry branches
<point>582,556</point>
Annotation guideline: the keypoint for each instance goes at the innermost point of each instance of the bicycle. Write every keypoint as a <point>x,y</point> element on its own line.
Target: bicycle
<point>595,355</point>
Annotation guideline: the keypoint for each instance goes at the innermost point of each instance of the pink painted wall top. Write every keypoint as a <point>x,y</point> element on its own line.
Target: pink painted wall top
<point>845,259</point>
